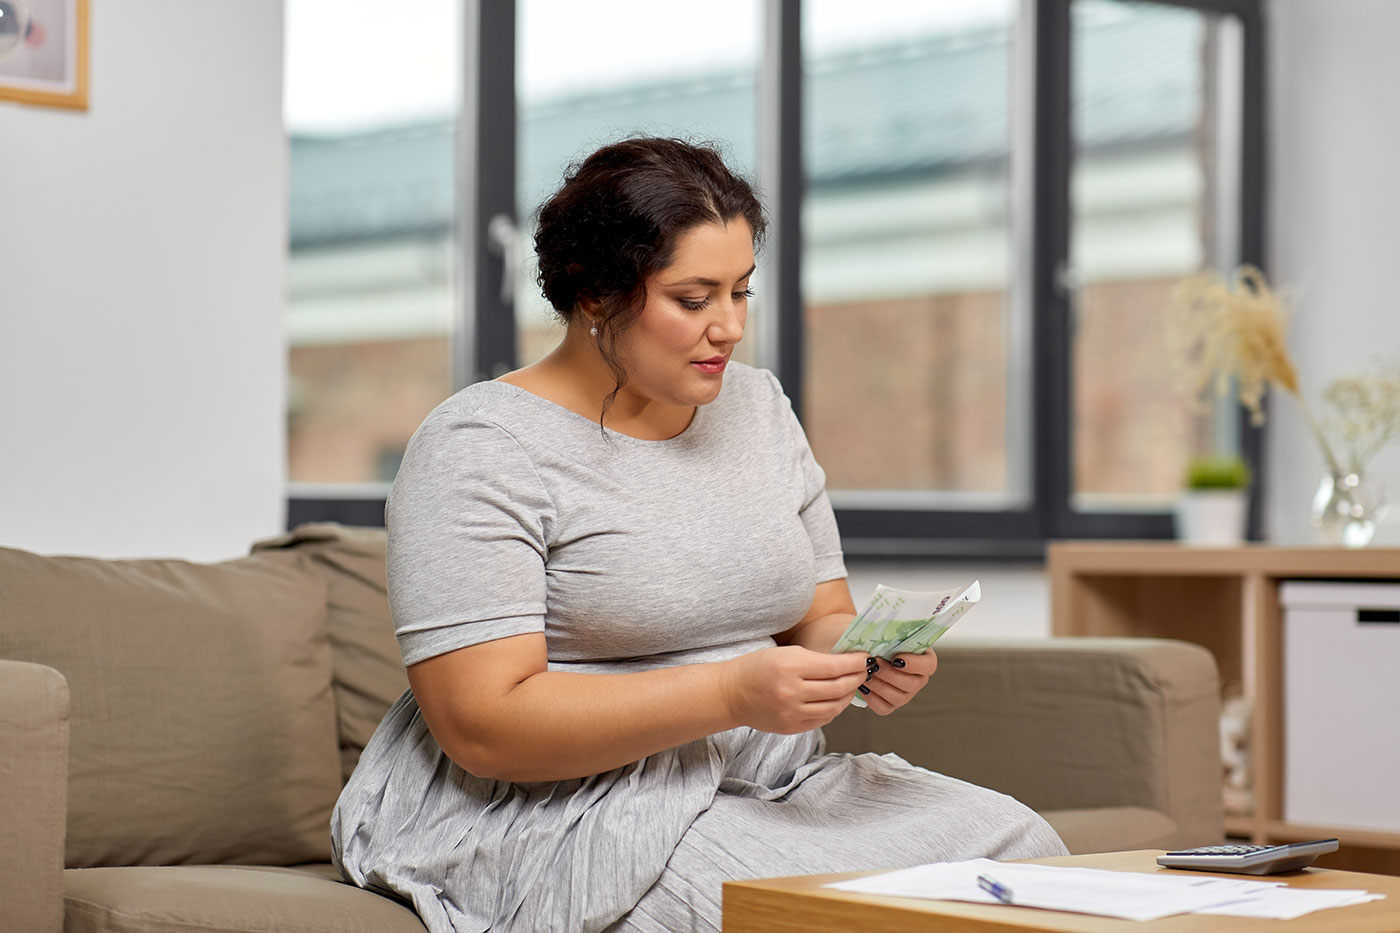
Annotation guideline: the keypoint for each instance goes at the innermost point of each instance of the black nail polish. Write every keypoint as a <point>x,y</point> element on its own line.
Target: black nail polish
<point>864,689</point>
<point>874,668</point>
<point>898,662</point>
<point>870,661</point>
<point>869,675</point>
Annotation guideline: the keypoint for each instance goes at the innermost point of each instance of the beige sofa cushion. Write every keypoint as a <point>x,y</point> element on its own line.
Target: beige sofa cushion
<point>1112,829</point>
<point>367,669</point>
<point>210,898</point>
<point>203,726</point>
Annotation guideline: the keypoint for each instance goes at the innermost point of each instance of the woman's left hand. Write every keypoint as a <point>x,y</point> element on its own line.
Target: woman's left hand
<point>894,685</point>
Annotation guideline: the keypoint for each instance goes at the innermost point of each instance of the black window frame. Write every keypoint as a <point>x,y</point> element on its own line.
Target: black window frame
<point>486,342</point>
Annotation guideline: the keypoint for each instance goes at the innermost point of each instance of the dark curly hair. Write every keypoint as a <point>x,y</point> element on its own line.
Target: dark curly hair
<point>615,220</point>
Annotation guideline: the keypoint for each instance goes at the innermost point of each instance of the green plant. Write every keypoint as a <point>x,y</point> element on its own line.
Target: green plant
<point>1216,472</point>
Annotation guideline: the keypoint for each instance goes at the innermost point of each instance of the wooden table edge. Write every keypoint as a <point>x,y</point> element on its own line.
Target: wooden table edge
<point>848,907</point>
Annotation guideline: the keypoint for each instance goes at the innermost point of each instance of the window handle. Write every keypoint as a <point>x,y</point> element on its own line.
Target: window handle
<point>1068,280</point>
<point>503,237</point>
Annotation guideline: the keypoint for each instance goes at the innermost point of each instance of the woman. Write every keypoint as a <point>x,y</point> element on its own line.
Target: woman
<point>616,580</point>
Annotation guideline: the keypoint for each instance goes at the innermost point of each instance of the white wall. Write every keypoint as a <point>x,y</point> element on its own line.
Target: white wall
<point>1335,227</point>
<point>142,256</point>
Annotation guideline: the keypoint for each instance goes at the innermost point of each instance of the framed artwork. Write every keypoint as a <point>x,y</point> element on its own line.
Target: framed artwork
<point>44,52</point>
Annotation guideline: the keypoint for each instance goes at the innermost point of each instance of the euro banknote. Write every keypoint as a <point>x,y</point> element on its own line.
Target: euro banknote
<point>897,621</point>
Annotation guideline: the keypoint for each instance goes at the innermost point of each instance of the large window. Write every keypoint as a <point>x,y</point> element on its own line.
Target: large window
<point>373,300</point>
<point>979,211</point>
<point>911,392</point>
<point>1154,197</point>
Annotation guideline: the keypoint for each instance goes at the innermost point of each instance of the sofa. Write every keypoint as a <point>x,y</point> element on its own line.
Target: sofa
<point>173,735</point>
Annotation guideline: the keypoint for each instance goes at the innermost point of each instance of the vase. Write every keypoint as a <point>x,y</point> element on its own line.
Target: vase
<point>1347,507</point>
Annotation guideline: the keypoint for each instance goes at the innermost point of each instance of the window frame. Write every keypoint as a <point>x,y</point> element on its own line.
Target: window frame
<point>485,341</point>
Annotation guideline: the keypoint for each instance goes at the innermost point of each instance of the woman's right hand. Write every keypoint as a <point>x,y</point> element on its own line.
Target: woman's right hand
<point>791,689</point>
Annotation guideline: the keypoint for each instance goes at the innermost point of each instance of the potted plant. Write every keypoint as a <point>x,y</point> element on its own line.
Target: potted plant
<point>1213,506</point>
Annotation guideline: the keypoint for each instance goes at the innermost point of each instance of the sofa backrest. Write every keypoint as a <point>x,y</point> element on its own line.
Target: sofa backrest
<point>203,721</point>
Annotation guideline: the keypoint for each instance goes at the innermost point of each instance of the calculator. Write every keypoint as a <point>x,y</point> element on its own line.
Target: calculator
<point>1249,859</point>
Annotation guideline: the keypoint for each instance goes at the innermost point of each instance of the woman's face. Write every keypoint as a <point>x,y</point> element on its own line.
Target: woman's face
<point>696,308</point>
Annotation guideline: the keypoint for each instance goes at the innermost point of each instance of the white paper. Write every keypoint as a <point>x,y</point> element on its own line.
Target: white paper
<point>1128,895</point>
<point>1288,903</point>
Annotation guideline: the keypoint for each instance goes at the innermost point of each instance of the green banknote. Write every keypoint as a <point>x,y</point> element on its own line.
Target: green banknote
<point>898,621</point>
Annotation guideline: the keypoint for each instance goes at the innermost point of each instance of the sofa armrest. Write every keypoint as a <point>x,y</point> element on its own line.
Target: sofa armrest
<point>1068,724</point>
<point>33,795</point>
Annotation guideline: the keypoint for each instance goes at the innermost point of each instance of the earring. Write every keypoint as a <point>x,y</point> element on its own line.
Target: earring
<point>593,331</point>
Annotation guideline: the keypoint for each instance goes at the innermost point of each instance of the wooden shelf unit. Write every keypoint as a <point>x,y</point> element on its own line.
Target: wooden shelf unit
<point>1226,599</point>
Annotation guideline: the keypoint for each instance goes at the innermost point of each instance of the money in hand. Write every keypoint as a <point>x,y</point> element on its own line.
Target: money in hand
<point>898,621</point>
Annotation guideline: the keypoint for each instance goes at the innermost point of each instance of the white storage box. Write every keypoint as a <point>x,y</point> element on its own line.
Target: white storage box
<point>1341,709</point>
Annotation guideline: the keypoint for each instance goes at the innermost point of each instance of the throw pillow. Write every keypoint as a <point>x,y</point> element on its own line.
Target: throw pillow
<point>202,719</point>
<point>367,669</point>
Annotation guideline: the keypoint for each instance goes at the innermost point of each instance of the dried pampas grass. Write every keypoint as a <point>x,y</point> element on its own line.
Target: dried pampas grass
<point>1235,331</point>
<point>1222,330</point>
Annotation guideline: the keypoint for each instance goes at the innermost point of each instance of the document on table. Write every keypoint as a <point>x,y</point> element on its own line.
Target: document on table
<point>1286,903</point>
<point>1129,895</point>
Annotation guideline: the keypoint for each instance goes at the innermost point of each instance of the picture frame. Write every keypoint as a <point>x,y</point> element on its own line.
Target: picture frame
<point>47,66</point>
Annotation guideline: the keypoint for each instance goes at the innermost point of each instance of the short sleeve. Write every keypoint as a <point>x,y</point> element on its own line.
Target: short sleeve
<point>468,523</point>
<point>816,512</point>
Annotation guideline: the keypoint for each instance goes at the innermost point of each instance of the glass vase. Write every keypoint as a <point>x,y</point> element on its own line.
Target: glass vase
<point>1347,507</point>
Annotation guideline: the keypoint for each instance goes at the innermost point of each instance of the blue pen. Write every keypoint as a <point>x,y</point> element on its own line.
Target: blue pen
<point>995,888</point>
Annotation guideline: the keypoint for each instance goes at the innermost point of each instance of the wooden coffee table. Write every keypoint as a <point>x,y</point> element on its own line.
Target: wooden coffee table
<point>802,905</point>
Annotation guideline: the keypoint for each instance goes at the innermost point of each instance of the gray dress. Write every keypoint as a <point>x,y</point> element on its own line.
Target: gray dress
<point>512,515</point>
